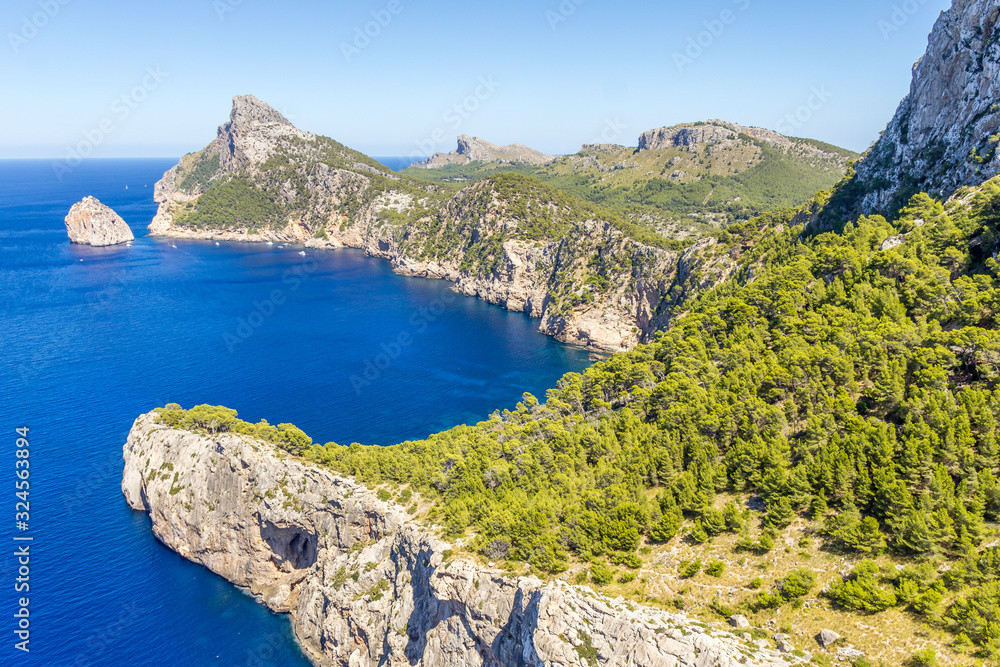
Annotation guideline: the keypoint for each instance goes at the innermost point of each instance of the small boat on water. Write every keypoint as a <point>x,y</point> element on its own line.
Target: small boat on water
<point>216,243</point>
<point>302,252</point>
<point>270,243</point>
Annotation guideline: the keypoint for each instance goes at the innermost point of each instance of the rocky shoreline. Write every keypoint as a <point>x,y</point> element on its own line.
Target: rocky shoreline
<point>366,585</point>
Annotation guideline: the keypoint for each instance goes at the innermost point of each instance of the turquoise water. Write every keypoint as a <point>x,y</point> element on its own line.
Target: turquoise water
<point>93,337</point>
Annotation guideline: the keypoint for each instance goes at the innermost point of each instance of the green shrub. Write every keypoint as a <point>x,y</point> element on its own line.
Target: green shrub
<point>601,574</point>
<point>689,569</point>
<point>861,590</point>
<point>716,568</point>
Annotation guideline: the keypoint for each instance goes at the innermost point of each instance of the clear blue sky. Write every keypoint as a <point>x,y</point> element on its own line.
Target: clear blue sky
<point>559,83</point>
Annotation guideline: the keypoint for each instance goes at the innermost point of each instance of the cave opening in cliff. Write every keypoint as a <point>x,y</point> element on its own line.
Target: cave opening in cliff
<point>293,546</point>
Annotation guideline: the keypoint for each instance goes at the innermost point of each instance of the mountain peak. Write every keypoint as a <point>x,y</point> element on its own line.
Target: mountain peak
<point>248,111</point>
<point>474,149</point>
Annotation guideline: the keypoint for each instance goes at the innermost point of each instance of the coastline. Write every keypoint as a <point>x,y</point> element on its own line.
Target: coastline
<point>592,329</point>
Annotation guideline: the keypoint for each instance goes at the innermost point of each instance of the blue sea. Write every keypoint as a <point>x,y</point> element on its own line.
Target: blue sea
<point>332,341</point>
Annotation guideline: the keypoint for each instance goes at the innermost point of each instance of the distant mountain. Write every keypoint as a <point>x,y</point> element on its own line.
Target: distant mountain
<point>474,149</point>
<point>946,131</point>
<point>701,174</point>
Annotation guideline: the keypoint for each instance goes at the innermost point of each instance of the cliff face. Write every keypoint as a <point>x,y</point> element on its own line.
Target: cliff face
<point>474,149</point>
<point>509,241</point>
<point>719,134</point>
<point>90,222</point>
<point>365,585</point>
<point>945,133</point>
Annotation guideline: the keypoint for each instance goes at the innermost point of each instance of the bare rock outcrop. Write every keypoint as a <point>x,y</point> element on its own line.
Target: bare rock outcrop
<point>90,222</point>
<point>695,136</point>
<point>474,149</point>
<point>365,585</point>
<point>946,131</point>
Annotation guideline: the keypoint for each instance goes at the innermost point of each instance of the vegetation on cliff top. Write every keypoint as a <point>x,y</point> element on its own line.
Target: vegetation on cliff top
<point>849,380</point>
<point>725,183</point>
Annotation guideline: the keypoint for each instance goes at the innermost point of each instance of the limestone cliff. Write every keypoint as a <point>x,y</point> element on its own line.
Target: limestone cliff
<point>717,135</point>
<point>474,149</point>
<point>90,222</point>
<point>945,133</point>
<point>365,585</point>
<point>506,238</point>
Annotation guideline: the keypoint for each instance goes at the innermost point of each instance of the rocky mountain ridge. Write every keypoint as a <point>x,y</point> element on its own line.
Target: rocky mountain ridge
<point>945,133</point>
<point>365,585</point>
<point>692,136</point>
<point>89,222</point>
<point>474,149</point>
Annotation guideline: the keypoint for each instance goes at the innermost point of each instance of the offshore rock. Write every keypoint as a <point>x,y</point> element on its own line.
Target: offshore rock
<point>90,222</point>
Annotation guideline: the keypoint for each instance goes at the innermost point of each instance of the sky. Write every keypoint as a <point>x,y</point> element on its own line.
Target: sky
<point>121,78</point>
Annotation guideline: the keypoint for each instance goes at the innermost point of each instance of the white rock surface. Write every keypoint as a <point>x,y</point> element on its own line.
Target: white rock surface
<point>367,586</point>
<point>90,222</point>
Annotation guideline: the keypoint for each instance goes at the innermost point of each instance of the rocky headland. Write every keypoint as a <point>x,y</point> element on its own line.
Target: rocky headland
<point>506,239</point>
<point>366,585</point>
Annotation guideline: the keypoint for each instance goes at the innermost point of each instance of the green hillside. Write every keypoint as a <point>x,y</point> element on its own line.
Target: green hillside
<point>685,192</point>
<point>844,387</point>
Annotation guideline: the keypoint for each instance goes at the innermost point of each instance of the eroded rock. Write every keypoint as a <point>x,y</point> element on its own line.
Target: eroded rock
<point>365,585</point>
<point>89,222</point>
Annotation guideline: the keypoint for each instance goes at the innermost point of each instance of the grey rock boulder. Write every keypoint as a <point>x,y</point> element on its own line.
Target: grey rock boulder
<point>89,222</point>
<point>827,637</point>
<point>739,621</point>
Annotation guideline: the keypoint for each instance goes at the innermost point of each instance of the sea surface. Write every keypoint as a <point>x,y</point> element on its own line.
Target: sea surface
<point>93,337</point>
